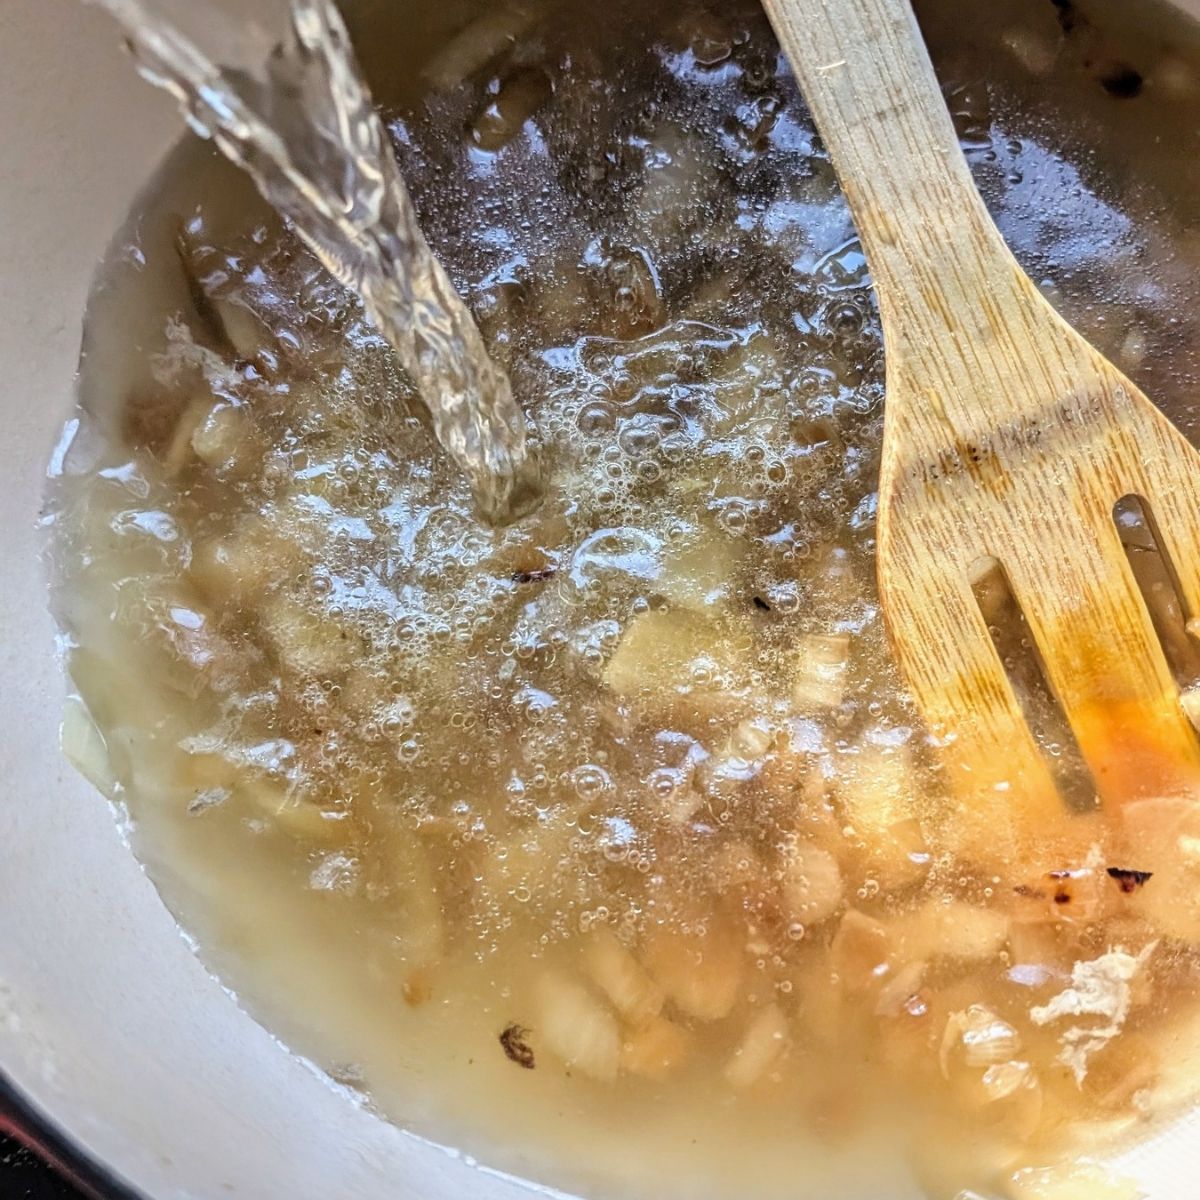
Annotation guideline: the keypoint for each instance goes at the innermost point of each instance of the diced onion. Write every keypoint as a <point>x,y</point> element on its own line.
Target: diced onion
<point>763,1043</point>
<point>576,1027</point>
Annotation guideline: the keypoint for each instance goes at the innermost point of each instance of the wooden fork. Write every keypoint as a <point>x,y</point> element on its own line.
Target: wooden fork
<point>1007,436</point>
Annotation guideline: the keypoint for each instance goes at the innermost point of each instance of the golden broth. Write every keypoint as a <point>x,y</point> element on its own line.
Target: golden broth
<point>606,846</point>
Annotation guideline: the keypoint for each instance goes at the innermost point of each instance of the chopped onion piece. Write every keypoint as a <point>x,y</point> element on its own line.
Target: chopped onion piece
<point>821,667</point>
<point>621,977</point>
<point>876,795</point>
<point>1071,1181</point>
<point>576,1027</point>
<point>83,744</point>
<point>698,575</point>
<point>521,95</point>
<point>813,887</point>
<point>896,993</point>
<point>983,1038</point>
<point>1035,52</point>
<point>480,43</point>
<point>765,1040</point>
<point>954,930</point>
<point>671,661</point>
<point>860,951</point>
<point>700,971</point>
<point>752,738</point>
<point>1004,1079</point>
<point>654,1050</point>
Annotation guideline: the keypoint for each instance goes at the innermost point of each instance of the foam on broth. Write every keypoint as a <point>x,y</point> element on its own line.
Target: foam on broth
<point>606,846</point>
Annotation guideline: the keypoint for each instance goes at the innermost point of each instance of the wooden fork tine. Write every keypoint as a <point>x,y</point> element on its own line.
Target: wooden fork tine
<point>1170,496</point>
<point>1105,664</point>
<point>964,688</point>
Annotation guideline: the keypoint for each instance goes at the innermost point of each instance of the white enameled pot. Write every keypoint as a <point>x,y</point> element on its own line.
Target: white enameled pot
<point>110,1028</point>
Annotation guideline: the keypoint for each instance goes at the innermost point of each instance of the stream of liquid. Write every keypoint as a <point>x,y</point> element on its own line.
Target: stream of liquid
<point>310,137</point>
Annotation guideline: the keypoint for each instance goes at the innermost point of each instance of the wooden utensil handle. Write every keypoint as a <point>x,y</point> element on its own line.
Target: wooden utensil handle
<point>865,72</point>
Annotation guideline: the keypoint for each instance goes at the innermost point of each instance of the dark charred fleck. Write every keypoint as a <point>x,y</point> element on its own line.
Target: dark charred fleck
<point>1122,81</point>
<point>516,1048</point>
<point>761,604</point>
<point>1129,881</point>
<point>1062,898</point>
<point>534,576</point>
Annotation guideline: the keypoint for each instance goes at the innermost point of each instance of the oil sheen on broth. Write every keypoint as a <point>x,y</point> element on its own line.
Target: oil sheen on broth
<point>606,845</point>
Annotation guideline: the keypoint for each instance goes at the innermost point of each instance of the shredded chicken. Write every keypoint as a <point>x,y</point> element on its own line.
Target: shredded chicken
<point>1100,987</point>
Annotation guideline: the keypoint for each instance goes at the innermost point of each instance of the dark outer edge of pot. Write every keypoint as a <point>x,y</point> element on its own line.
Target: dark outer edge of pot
<point>20,1120</point>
